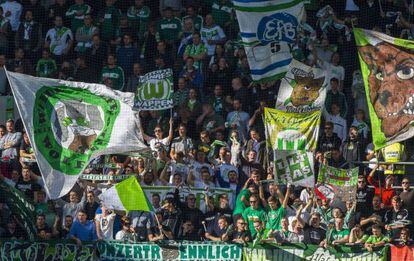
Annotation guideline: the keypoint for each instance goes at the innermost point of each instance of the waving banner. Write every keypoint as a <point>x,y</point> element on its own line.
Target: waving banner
<point>389,85</point>
<point>292,131</point>
<point>155,91</point>
<point>268,30</point>
<point>303,89</point>
<point>337,183</point>
<point>294,167</point>
<point>70,123</point>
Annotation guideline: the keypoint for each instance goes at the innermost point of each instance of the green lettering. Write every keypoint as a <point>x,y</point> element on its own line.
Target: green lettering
<point>210,252</point>
<point>119,250</point>
<point>146,249</point>
<point>183,251</point>
<point>155,252</point>
<point>137,252</point>
<point>128,251</point>
<point>192,251</point>
<point>202,251</point>
<point>225,252</point>
<point>234,252</point>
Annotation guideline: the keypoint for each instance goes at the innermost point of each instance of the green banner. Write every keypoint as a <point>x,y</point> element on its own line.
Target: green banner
<point>292,131</point>
<point>155,91</point>
<point>310,252</point>
<point>15,250</point>
<point>103,177</point>
<point>389,92</point>
<point>53,250</point>
<point>338,177</point>
<point>21,207</point>
<point>294,167</point>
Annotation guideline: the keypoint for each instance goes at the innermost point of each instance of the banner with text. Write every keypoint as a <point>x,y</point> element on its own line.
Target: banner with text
<point>155,91</point>
<point>292,131</point>
<point>294,167</point>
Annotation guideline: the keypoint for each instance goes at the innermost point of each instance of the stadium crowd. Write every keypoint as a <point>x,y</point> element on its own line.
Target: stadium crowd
<point>214,137</point>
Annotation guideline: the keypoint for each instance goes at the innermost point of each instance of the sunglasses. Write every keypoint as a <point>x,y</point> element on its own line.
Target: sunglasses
<point>404,182</point>
<point>253,201</point>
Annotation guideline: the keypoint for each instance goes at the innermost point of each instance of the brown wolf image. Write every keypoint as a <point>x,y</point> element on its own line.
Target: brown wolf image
<point>306,90</point>
<point>391,85</point>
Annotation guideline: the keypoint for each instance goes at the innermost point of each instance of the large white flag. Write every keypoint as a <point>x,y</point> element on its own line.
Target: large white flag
<point>69,123</point>
<point>268,30</point>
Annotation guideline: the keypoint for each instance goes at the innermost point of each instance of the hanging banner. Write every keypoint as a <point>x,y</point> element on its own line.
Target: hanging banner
<point>20,207</point>
<point>268,31</point>
<point>294,167</point>
<point>292,131</point>
<point>389,92</point>
<point>310,252</point>
<point>155,91</point>
<point>303,89</point>
<point>62,250</point>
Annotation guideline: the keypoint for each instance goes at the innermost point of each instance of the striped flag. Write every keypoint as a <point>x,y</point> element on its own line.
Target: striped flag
<point>268,32</point>
<point>126,196</point>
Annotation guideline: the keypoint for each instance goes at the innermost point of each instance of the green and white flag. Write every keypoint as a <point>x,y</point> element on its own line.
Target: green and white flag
<point>389,85</point>
<point>292,131</point>
<point>294,167</point>
<point>126,196</point>
<point>268,30</point>
<point>303,89</point>
<point>69,123</point>
<point>155,91</point>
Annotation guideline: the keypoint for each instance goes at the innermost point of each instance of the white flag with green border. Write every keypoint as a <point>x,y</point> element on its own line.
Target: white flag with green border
<point>126,196</point>
<point>69,123</point>
<point>268,31</point>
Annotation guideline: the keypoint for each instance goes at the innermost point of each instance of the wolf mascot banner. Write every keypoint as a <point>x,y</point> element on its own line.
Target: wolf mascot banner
<point>388,71</point>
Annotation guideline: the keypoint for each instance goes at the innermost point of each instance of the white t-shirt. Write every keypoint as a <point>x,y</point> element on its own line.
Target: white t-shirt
<point>59,39</point>
<point>123,236</point>
<point>154,141</point>
<point>214,33</point>
<point>106,224</point>
<point>333,71</point>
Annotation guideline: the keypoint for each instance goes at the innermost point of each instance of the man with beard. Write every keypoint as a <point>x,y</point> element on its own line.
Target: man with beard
<point>376,216</point>
<point>364,195</point>
<point>396,218</point>
<point>407,196</point>
<point>353,148</point>
<point>189,209</point>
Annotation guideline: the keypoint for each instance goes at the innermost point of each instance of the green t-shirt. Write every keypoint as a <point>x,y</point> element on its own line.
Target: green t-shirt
<point>240,206</point>
<point>373,239</point>
<point>169,29</point>
<point>221,11</point>
<point>251,215</point>
<point>138,19</point>
<point>274,217</point>
<point>337,235</point>
<point>117,76</point>
<point>110,24</point>
<point>46,67</point>
<point>77,20</point>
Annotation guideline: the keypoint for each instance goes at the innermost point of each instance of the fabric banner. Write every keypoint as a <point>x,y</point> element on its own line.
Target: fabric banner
<point>389,93</point>
<point>69,123</point>
<point>339,184</point>
<point>165,191</point>
<point>294,167</point>
<point>303,89</point>
<point>103,177</point>
<point>62,250</point>
<point>268,30</point>
<point>21,207</point>
<point>311,252</point>
<point>292,131</point>
<point>155,91</point>
<point>402,253</point>
<point>179,250</point>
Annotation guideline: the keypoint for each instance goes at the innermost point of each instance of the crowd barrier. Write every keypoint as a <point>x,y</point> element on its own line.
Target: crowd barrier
<point>180,250</point>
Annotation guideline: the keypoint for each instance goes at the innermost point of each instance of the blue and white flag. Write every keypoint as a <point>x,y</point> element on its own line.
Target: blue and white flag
<point>268,30</point>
